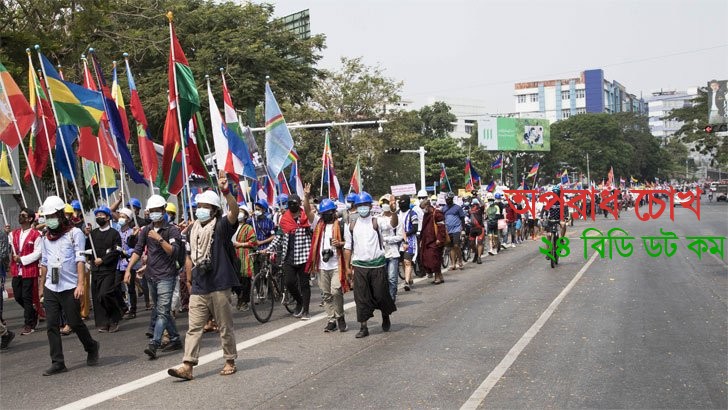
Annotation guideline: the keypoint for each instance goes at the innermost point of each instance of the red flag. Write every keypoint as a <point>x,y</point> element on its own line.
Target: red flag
<point>172,156</point>
<point>146,146</point>
<point>283,184</point>
<point>17,118</point>
<point>43,131</point>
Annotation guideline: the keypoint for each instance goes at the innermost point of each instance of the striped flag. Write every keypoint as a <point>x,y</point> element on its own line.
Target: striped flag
<point>533,171</point>
<point>498,163</point>
<point>118,98</point>
<point>355,183</point>
<point>5,175</point>
<point>16,115</point>
<point>236,139</point>
<point>150,164</point>
<point>221,137</point>
<point>43,131</point>
<point>329,173</point>
<point>278,140</point>
<point>490,187</point>
<point>295,180</point>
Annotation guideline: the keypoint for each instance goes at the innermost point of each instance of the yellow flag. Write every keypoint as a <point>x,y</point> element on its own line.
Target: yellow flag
<point>5,174</point>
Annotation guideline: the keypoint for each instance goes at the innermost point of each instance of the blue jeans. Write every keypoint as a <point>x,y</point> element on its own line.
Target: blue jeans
<point>161,293</point>
<point>393,276</point>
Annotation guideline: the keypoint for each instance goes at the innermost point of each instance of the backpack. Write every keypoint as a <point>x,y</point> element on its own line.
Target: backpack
<point>492,213</point>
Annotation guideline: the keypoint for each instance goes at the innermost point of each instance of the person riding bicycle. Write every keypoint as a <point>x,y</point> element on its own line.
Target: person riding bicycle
<point>554,213</point>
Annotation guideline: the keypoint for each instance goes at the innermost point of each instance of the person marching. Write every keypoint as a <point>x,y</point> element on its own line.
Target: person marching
<point>61,271</point>
<point>245,242</point>
<point>432,240</point>
<point>212,278</point>
<point>107,312</point>
<point>327,260</point>
<point>392,240</point>
<point>408,228</point>
<point>365,263</point>
<point>26,245</point>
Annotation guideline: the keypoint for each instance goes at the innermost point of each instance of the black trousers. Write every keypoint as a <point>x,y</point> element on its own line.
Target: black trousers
<point>105,302</point>
<point>55,303</point>
<point>243,291</point>
<point>130,290</point>
<point>298,283</point>
<point>371,291</point>
<point>23,292</point>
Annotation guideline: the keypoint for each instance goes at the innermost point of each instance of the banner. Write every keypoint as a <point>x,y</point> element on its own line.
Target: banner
<point>406,189</point>
<point>514,134</point>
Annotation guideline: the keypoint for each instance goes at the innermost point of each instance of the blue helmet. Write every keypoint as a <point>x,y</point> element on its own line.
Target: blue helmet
<point>263,204</point>
<point>363,198</point>
<point>133,202</point>
<point>282,199</point>
<point>498,195</point>
<point>556,190</point>
<point>76,205</point>
<point>103,208</point>
<point>326,205</point>
<point>351,197</point>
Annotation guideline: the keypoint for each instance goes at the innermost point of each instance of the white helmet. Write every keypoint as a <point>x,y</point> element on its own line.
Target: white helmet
<point>156,201</point>
<point>489,196</point>
<point>422,194</point>
<point>51,205</point>
<point>208,197</point>
<point>126,212</point>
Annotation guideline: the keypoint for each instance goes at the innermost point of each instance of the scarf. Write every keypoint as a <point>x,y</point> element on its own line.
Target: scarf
<point>201,240</point>
<point>289,224</point>
<point>62,230</point>
<point>246,234</point>
<point>313,257</point>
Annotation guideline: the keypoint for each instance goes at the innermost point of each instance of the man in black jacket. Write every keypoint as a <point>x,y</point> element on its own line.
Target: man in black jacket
<point>107,247</point>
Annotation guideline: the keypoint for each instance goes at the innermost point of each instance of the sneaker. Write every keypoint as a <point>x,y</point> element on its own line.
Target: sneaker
<point>92,359</point>
<point>491,252</point>
<point>5,340</point>
<point>151,351</point>
<point>386,323</point>
<point>55,369</point>
<point>129,315</point>
<point>245,307</point>
<point>341,323</point>
<point>305,316</point>
<point>406,287</point>
<point>26,330</point>
<point>330,327</point>
<point>114,327</point>
<point>104,329</point>
<point>173,346</point>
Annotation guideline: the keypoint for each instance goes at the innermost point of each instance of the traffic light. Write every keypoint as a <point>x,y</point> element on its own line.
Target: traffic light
<point>711,128</point>
<point>393,150</point>
<point>708,129</point>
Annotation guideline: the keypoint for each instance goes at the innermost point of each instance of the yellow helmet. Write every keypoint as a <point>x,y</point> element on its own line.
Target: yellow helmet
<point>383,198</point>
<point>68,209</point>
<point>433,198</point>
<point>171,207</point>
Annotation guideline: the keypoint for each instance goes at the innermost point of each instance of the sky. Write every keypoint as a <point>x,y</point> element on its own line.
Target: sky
<point>475,50</point>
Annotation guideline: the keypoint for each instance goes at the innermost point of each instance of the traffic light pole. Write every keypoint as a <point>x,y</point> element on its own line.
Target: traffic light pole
<point>422,153</point>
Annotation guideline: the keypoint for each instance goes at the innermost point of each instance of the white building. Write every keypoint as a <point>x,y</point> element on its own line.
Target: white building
<point>660,103</point>
<point>561,98</point>
<point>467,113</point>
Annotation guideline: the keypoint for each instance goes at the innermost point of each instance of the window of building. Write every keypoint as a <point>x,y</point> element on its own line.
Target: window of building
<point>469,126</point>
<point>565,113</point>
<point>521,98</point>
<point>581,93</point>
<point>533,97</point>
<point>581,111</point>
<point>565,95</point>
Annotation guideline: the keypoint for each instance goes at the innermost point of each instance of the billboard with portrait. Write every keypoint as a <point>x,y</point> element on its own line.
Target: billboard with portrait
<point>717,108</point>
<point>514,134</point>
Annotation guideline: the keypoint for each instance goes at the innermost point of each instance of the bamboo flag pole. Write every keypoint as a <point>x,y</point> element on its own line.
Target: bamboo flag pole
<point>31,79</point>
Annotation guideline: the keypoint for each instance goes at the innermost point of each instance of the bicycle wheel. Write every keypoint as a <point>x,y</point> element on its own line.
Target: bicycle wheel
<point>466,251</point>
<point>445,257</point>
<point>262,296</point>
<point>554,255</point>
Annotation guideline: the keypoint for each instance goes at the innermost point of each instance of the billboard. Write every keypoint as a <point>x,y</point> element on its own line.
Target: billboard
<point>514,134</point>
<point>717,109</point>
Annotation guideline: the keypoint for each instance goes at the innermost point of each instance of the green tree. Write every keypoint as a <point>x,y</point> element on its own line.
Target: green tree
<point>437,120</point>
<point>694,119</point>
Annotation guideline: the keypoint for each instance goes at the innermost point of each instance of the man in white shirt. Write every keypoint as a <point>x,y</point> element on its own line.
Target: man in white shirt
<point>391,240</point>
<point>61,271</point>
<point>365,260</point>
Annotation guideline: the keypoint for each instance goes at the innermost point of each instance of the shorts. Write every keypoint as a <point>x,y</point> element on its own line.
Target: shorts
<point>454,239</point>
<point>492,228</point>
<point>408,256</point>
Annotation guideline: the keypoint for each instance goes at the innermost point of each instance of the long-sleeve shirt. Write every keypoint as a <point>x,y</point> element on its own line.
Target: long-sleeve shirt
<point>33,257</point>
<point>126,250</point>
<point>107,243</point>
<point>64,253</point>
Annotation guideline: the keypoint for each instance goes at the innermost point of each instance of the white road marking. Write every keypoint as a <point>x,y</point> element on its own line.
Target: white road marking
<point>210,357</point>
<point>482,391</point>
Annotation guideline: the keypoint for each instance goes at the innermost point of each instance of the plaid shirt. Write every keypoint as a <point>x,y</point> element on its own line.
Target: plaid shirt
<point>301,245</point>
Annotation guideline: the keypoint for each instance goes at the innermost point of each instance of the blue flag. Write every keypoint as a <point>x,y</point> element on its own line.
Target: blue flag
<point>278,140</point>
<point>67,133</point>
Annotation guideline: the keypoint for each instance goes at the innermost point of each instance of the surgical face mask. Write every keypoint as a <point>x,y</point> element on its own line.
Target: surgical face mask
<point>101,221</point>
<point>241,217</point>
<point>156,216</point>
<point>122,222</point>
<point>203,214</point>
<point>258,213</point>
<point>53,223</point>
<point>363,211</point>
<point>386,208</point>
<point>328,217</point>
<point>41,219</point>
<point>348,205</point>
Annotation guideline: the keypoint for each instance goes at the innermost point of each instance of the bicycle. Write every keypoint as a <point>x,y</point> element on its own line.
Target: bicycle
<point>554,226</point>
<point>267,288</point>
<point>465,246</point>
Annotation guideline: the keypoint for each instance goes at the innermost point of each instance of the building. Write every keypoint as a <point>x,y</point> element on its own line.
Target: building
<point>660,103</point>
<point>467,113</point>
<point>561,98</point>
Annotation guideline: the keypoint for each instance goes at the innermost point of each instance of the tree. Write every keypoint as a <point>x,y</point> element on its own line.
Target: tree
<point>694,119</point>
<point>437,120</point>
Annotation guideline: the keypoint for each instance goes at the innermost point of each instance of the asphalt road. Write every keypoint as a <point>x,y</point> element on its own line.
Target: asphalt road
<point>637,332</point>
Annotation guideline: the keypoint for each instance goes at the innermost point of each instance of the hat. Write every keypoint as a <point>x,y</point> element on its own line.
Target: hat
<point>294,198</point>
<point>126,212</point>
<point>208,197</point>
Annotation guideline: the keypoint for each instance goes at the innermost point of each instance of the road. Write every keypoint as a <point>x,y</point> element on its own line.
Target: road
<point>637,332</point>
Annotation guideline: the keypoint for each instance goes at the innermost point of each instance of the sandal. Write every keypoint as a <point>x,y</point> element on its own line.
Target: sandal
<point>180,373</point>
<point>228,370</point>
<point>66,330</point>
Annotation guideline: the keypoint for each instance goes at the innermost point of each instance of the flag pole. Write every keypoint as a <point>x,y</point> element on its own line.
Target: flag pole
<point>323,164</point>
<point>65,149</point>
<point>185,173</point>
<point>102,130</point>
<point>31,73</point>
<point>22,145</point>
<point>128,70</point>
<point>209,90</point>
<point>15,171</point>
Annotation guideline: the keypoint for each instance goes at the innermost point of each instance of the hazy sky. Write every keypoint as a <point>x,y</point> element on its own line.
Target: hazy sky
<point>476,50</point>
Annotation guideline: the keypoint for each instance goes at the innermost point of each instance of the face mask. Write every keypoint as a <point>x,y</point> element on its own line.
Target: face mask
<point>41,220</point>
<point>203,214</point>
<point>403,206</point>
<point>53,223</point>
<point>348,205</point>
<point>101,221</point>
<point>122,222</point>
<point>386,208</point>
<point>363,211</point>
<point>156,216</point>
<point>258,213</point>
<point>328,217</point>
<point>294,207</point>
<point>241,217</point>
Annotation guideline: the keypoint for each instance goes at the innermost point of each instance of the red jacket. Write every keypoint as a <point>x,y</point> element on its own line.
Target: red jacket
<point>30,270</point>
